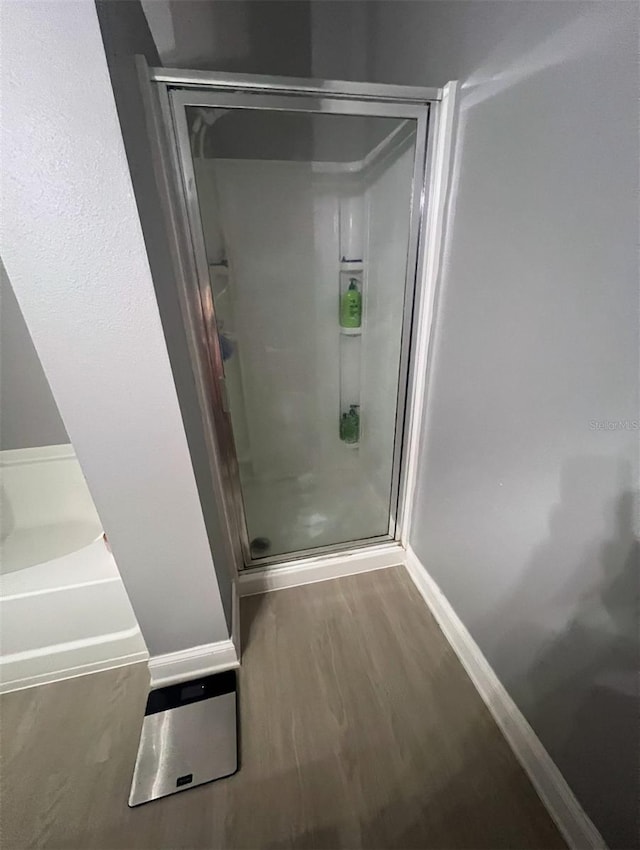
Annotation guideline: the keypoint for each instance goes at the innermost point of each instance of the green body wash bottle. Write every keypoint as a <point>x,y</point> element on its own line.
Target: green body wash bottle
<point>351,306</point>
<point>350,425</point>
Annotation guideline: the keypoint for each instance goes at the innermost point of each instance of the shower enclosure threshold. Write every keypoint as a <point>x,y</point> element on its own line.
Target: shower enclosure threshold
<point>297,517</point>
<point>321,567</point>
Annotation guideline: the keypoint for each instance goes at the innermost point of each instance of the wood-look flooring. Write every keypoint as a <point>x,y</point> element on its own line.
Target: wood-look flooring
<point>359,729</point>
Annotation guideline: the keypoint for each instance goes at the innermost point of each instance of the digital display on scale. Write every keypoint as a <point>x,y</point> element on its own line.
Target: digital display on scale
<point>184,693</point>
<point>192,691</point>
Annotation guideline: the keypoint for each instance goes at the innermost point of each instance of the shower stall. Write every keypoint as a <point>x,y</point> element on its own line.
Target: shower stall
<point>300,206</point>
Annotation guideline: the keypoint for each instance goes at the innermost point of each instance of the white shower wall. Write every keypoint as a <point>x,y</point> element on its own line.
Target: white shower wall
<point>280,228</point>
<point>387,195</point>
<point>277,224</point>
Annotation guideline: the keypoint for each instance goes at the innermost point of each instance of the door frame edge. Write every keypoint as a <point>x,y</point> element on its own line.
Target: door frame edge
<point>441,174</point>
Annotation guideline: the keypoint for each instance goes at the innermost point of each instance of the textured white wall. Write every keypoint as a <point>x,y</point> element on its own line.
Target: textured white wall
<point>73,247</point>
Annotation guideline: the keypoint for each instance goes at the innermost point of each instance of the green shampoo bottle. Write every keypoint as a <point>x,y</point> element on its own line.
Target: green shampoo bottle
<point>351,306</point>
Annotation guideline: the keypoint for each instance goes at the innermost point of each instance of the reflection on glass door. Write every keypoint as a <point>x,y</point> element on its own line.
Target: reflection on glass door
<point>304,218</point>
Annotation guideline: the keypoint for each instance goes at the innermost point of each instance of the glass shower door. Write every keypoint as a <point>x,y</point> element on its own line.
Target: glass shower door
<point>301,222</point>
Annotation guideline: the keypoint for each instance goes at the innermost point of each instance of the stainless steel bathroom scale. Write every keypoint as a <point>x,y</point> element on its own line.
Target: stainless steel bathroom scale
<point>189,737</point>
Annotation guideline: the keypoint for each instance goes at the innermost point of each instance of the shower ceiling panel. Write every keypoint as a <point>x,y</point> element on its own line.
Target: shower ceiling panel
<point>289,136</point>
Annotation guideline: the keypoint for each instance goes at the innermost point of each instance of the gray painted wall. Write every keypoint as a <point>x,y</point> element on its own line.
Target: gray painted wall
<point>263,37</point>
<point>125,33</point>
<point>28,413</point>
<point>525,508</point>
<point>273,37</point>
<point>74,250</point>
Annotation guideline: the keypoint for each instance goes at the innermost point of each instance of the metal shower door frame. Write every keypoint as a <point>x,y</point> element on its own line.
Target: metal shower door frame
<point>180,89</point>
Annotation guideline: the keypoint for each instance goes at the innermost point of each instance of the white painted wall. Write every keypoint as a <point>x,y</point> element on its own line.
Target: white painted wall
<point>73,247</point>
<point>526,510</point>
<point>28,413</point>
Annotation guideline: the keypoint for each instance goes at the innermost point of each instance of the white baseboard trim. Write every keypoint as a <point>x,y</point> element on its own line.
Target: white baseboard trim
<point>560,801</point>
<point>192,663</point>
<point>200,660</point>
<point>311,570</point>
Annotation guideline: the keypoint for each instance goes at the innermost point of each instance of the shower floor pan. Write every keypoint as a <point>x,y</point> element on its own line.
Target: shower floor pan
<point>311,511</point>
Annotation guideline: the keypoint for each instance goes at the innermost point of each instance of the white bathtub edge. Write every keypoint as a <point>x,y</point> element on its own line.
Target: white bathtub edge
<point>37,454</point>
<point>140,655</point>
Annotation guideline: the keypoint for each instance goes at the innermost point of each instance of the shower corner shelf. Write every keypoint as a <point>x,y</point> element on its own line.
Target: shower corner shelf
<point>219,268</point>
<point>351,331</point>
